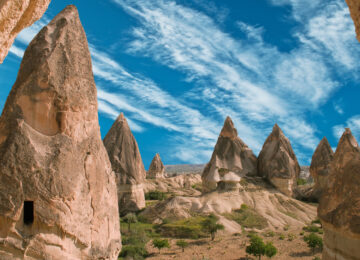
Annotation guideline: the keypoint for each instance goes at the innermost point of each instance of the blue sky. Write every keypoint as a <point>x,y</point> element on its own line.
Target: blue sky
<point>178,68</point>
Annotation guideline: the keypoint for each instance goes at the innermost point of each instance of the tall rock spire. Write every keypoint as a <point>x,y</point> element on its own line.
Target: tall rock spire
<point>277,162</point>
<point>320,166</point>
<point>156,169</point>
<point>126,161</point>
<point>57,189</point>
<point>231,160</point>
<point>339,207</point>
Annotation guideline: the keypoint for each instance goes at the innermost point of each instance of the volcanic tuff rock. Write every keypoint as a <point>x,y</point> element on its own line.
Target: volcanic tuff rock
<point>277,162</point>
<point>128,166</point>
<point>15,15</point>
<point>231,160</point>
<point>156,169</point>
<point>354,6</point>
<point>339,207</point>
<point>57,188</point>
<point>320,166</point>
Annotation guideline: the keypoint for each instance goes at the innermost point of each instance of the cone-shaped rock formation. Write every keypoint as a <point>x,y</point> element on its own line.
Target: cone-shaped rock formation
<point>156,169</point>
<point>57,189</point>
<point>231,160</point>
<point>339,207</point>
<point>128,166</point>
<point>15,15</point>
<point>320,166</point>
<point>277,162</point>
<point>354,6</point>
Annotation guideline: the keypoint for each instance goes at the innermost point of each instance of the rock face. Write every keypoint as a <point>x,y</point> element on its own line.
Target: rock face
<point>277,162</point>
<point>15,15</point>
<point>339,208</point>
<point>128,166</point>
<point>320,166</point>
<point>57,189</point>
<point>231,160</point>
<point>156,169</point>
<point>354,6</point>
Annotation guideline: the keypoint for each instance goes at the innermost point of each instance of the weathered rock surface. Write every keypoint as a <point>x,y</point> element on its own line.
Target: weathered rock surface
<point>126,161</point>
<point>277,162</point>
<point>354,6</point>
<point>320,167</point>
<point>339,207</point>
<point>231,160</point>
<point>57,189</point>
<point>15,15</point>
<point>156,169</point>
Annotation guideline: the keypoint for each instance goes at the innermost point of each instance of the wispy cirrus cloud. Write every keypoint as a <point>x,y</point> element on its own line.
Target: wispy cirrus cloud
<point>353,123</point>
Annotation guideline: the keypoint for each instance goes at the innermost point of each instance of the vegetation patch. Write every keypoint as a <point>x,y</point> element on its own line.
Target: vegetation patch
<point>155,195</point>
<point>247,218</point>
<point>301,182</point>
<point>288,213</point>
<point>186,228</point>
<point>197,186</point>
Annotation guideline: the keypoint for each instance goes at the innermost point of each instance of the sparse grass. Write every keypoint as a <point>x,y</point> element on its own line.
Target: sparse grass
<point>247,218</point>
<point>223,171</point>
<point>281,236</point>
<point>291,237</point>
<point>269,234</point>
<point>301,181</point>
<point>156,195</point>
<point>149,203</point>
<point>313,229</point>
<point>244,182</point>
<point>288,213</point>
<point>187,228</point>
<point>197,186</point>
<point>286,227</point>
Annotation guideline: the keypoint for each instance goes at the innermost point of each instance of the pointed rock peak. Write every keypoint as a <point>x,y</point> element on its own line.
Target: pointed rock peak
<point>324,145</point>
<point>229,129</point>
<point>121,117</point>
<point>347,138</point>
<point>277,130</point>
<point>157,156</point>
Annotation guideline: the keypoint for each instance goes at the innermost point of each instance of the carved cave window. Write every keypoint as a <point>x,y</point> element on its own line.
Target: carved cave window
<point>28,212</point>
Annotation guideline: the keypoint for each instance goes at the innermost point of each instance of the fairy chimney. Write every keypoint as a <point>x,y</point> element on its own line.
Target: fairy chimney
<point>156,169</point>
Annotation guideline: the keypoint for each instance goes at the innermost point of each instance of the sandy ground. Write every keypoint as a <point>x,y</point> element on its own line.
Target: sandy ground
<point>230,247</point>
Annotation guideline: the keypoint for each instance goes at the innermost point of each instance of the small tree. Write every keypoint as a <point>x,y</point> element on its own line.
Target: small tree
<point>256,247</point>
<point>270,250</point>
<point>182,243</point>
<point>313,241</point>
<point>210,225</point>
<point>130,218</point>
<point>161,243</point>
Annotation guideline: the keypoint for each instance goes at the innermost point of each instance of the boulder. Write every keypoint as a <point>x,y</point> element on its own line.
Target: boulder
<point>15,15</point>
<point>58,195</point>
<point>354,6</point>
<point>156,169</point>
<point>126,161</point>
<point>339,207</point>
<point>277,162</point>
<point>231,160</point>
<point>320,167</point>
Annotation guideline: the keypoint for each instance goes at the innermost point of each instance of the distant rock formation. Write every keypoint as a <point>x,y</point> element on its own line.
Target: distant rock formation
<point>15,15</point>
<point>57,189</point>
<point>277,162</point>
<point>156,169</point>
<point>231,160</point>
<point>354,6</point>
<point>126,161</point>
<point>320,167</point>
<point>339,207</point>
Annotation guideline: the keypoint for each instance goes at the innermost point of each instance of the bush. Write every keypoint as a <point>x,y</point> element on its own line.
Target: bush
<point>314,241</point>
<point>130,218</point>
<point>161,243</point>
<point>155,195</point>
<point>182,243</point>
<point>301,182</point>
<point>281,236</point>
<point>258,248</point>
<point>134,245</point>
<point>291,237</point>
<point>312,228</point>
<point>186,228</point>
<point>247,218</point>
<point>270,234</point>
<point>209,225</point>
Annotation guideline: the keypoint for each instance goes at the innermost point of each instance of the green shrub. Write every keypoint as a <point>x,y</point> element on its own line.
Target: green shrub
<point>182,243</point>
<point>244,207</point>
<point>291,237</point>
<point>314,242</point>
<point>130,218</point>
<point>269,234</point>
<point>301,182</point>
<point>281,236</point>
<point>286,227</point>
<point>247,218</point>
<point>155,195</point>
<point>210,225</point>
<point>161,243</point>
<point>134,245</point>
<point>312,228</point>
<point>223,171</point>
<point>258,248</point>
<point>185,228</point>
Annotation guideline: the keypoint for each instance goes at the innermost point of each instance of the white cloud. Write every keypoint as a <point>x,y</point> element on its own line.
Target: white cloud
<point>353,123</point>
<point>19,52</point>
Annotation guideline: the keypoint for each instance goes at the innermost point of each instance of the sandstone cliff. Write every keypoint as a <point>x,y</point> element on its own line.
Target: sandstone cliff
<point>57,189</point>
<point>126,161</point>
<point>277,162</point>
<point>339,208</point>
<point>354,6</point>
<point>156,169</point>
<point>231,160</point>
<point>15,15</point>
